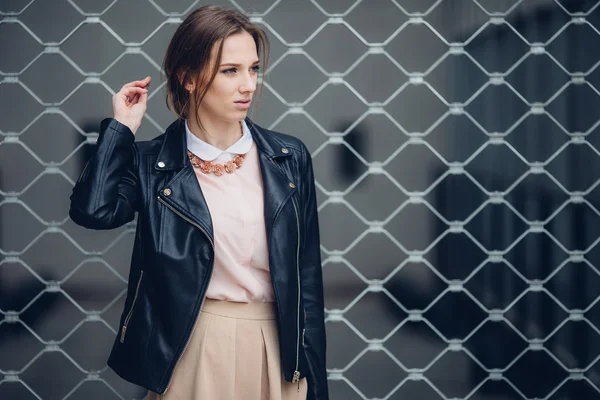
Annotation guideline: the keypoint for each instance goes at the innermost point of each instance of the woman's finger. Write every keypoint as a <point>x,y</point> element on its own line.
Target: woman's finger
<point>133,90</point>
<point>142,83</point>
<point>129,93</point>
<point>143,98</point>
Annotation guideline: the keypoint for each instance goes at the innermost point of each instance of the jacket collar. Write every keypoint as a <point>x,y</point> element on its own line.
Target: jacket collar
<point>173,152</point>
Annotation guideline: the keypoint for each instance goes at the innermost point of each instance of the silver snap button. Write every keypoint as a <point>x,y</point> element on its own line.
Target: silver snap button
<point>167,192</point>
<point>285,151</point>
<point>292,185</point>
<point>161,164</point>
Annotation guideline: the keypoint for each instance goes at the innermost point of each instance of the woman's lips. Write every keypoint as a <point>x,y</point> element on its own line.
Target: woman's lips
<point>243,104</point>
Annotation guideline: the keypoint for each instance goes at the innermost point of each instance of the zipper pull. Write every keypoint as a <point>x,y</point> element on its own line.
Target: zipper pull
<point>123,333</point>
<point>296,377</point>
<point>303,330</point>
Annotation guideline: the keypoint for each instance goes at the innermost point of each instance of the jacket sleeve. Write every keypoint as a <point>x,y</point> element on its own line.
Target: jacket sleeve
<point>106,194</point>
<point>311,277</point>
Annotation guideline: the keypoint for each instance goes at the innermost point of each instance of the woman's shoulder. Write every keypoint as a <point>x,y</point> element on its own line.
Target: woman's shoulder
<point>151,146</point>
<point>154,145</point>
<point>284,140</point>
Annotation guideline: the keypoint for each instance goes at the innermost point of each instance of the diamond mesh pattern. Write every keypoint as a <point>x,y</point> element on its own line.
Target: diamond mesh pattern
<point>450,140</point>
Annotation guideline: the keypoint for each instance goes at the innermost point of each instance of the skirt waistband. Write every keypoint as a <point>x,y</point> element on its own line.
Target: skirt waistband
<point>254,311</point>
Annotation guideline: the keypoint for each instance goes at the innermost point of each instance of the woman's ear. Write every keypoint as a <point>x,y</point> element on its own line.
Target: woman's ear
<point>189,84</point>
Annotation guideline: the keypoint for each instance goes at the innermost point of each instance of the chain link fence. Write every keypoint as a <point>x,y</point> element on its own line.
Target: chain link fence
<point>457,153</point>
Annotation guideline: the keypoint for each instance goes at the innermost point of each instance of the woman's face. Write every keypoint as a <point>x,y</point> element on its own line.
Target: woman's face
<point>230,94</point>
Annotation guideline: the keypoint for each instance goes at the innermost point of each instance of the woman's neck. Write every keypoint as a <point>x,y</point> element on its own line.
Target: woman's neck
<point>220,134</point>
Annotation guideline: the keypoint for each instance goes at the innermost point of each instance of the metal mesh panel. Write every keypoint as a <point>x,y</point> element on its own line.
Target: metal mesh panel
<point>456,151</point>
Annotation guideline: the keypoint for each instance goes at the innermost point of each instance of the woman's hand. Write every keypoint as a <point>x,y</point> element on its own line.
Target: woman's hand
<point>129,103</point>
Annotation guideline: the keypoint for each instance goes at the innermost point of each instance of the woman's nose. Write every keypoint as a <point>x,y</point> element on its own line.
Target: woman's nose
<point>249,84</point>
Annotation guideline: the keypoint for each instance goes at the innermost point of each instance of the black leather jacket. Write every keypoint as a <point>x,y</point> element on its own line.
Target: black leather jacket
<point>173,251</point>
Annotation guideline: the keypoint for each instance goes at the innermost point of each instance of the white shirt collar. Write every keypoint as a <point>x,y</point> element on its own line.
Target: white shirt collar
<point>208,152</point>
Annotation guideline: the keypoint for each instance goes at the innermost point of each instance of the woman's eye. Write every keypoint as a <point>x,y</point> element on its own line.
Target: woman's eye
<point>256,68</point>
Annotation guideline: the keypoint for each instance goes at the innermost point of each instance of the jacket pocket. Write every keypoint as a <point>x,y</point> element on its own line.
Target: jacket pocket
<point>130,313</point>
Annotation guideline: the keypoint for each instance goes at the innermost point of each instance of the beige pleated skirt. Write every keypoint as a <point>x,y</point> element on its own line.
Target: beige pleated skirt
<point>233,354</point>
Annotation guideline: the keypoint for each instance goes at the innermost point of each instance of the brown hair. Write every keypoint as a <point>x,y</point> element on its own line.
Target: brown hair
<point>190,51</point>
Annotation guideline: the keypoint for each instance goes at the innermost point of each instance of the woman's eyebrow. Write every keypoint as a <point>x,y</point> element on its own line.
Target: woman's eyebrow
<point>237,65</point>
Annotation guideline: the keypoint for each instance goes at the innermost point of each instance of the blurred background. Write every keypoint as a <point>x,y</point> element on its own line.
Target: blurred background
<point>457,153</point>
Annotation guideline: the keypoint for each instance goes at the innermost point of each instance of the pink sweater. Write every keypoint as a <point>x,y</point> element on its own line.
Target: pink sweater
<point>241,268</point>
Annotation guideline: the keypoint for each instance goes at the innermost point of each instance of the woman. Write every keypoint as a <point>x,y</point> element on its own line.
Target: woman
<point>225,294</point>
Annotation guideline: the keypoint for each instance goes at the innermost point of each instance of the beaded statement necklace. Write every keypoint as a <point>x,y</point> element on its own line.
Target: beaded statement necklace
<point>208,167</point>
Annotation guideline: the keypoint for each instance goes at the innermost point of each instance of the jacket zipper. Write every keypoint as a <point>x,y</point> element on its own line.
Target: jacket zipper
<point>137,290</point>
<point>203,296</point>
<point>296,377</point>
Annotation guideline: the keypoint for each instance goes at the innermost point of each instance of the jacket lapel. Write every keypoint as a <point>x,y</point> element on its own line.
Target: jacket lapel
<point>186,196</point>
<point>277,187</point>
<point>184,192</point>
<point>277,190</point>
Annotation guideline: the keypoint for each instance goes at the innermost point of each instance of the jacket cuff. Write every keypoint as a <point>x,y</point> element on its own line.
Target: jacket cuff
<point>121,129</point>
